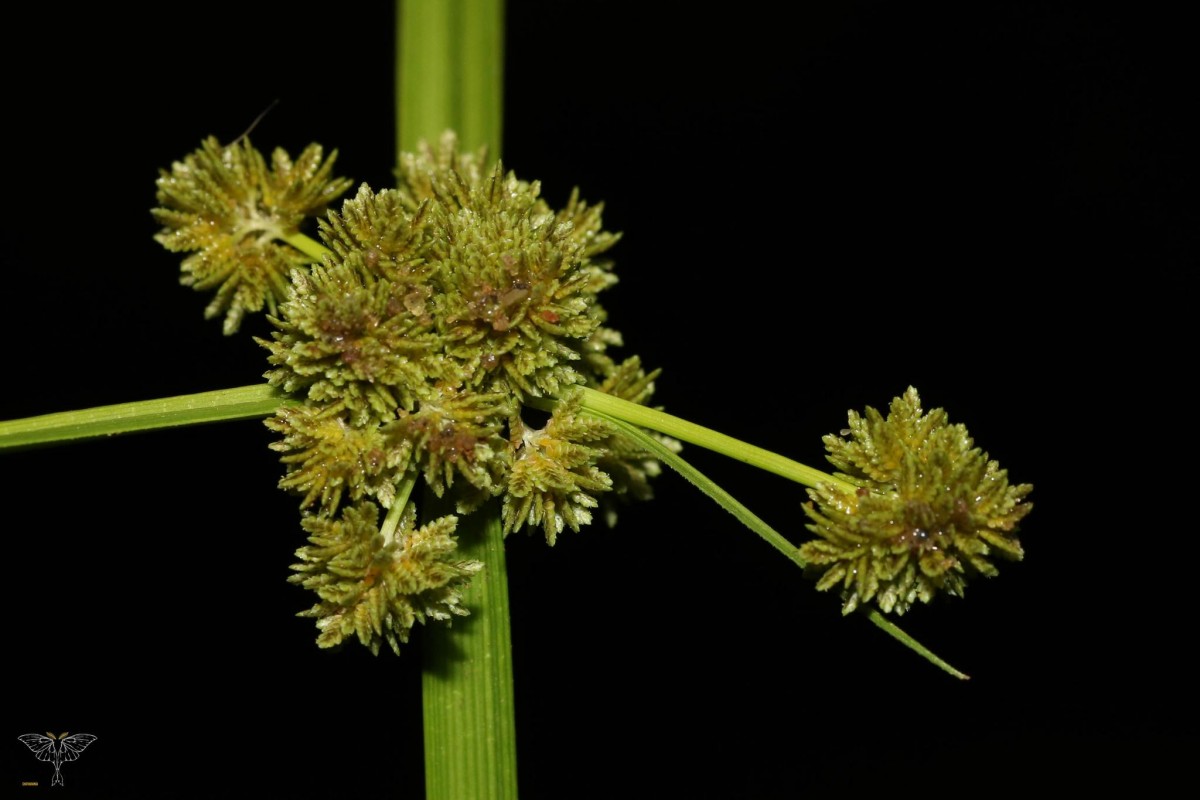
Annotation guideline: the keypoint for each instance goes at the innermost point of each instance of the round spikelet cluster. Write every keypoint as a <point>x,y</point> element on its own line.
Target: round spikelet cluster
<point>437,313</point>
<point>928,511</point>
<point>447,303</point>
<point>443,308</point>
<point>231,211</point>
<point>375,585</point>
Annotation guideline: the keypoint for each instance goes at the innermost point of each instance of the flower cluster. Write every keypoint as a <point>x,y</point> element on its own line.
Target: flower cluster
<point>232,212</point>
<point>927,511</point>
<point>442,310</point>
<point>377,586</point>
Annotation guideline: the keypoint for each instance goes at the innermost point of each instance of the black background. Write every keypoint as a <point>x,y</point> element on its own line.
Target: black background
<point>820,208</point>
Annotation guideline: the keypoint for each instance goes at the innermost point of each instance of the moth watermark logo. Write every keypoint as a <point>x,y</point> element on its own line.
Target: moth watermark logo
<point>57,749</point>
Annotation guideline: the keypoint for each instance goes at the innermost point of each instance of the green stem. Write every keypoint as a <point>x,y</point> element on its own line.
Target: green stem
<point>707,486</point>
<point>392,521</point>
<point>244,402</point>
<point>467,685</point>
<point>645,417</point>
<point>449,76</point>
<point>450,72</point>
<point>890,628</point>
<point>309,246</point>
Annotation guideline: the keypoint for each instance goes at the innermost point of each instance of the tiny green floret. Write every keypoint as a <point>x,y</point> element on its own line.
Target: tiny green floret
<point>555,477</point>
<point>375,586</point>
<point>234,214</point>
<point>930,510</point>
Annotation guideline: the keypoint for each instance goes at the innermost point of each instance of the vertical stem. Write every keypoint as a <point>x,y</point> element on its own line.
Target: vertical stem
<point>481,31</point>
<point>467,686</point>
<point>450,72</point>
<point>425,91</point>
<point>449,75</point>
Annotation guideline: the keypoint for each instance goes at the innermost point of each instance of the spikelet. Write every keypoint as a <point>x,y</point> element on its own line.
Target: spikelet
<point>231,211</point>
<point>930,510</point>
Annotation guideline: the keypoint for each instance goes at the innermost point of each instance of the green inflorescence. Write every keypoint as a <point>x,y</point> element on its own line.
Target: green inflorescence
<point>441,309</point>
<point>377,586</point>
<point>930,510</point>
<point>442,321</point>
<point>231,211</point>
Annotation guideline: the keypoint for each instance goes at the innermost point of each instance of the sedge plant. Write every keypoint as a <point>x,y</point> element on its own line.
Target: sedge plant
<point>441,374</point>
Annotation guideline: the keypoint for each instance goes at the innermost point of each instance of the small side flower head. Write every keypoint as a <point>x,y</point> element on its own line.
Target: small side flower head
<point>930,510</point>
<point>377,587</point>
<point>329,459</point>
<point>231,211</point>
<point>554,476</point>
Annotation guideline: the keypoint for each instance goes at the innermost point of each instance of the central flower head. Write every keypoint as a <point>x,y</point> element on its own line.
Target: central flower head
<point>446,305</point>
<point>460,277</point>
